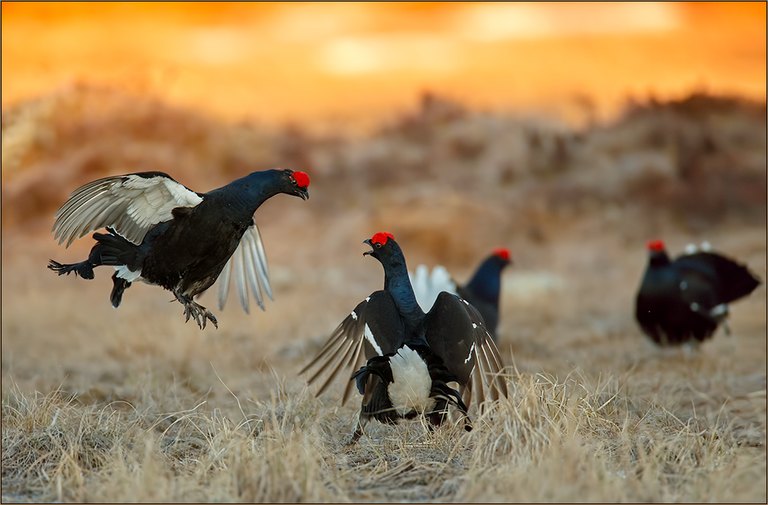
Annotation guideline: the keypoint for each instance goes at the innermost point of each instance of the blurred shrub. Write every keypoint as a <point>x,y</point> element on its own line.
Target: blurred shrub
<point>699,159</point>
<point>53,144</point>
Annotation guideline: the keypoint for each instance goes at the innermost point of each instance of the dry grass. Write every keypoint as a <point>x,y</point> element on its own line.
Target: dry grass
<point>134,405</point>
<point>551,441</point>
<point>104,405</point>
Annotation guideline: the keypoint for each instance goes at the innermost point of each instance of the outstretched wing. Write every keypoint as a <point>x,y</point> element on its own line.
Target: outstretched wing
<point>375,326</point>
<point>130,204</point>
<point>248,267</point>
<point>427,285</point>
<point>455,331</point>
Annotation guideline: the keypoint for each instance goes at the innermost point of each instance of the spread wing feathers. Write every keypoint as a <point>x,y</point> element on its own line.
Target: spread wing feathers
<point>733,280</point>
<point>130,204</point>
<point>455,331</point>
<point>374,328</point>
<point>427,285</point>
<point>248,267</point>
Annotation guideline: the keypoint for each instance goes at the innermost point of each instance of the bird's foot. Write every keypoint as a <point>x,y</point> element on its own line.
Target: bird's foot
<point>355,437</point>
<point>83,269</point>
<point>358,431</point>
<point>200,314</point>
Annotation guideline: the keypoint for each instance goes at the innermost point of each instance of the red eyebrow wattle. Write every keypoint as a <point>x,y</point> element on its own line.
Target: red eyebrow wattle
<point>382,237</point>
<point>301,178</point>
<point>502,253</point>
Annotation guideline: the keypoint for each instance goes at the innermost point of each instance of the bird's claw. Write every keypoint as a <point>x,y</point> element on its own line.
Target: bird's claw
<point>200,314</point>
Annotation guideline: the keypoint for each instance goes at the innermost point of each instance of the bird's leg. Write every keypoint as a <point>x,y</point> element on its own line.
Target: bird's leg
<point>437,415</point>
<point>193,309</point>
<point>450,396</point>
<point>83,269</point>
<point>361,421</point>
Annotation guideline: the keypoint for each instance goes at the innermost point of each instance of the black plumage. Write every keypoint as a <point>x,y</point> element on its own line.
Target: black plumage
<point>163,233</point>
<point>686,299</point>
<point>483,290</point>
<point>412,356</point>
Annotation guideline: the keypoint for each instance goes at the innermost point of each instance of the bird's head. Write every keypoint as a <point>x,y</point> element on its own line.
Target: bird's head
<point>295,183</point>
<point>383,247</point>
<point>657,252</point>
<point>502,256</point>
<point>655,246</point>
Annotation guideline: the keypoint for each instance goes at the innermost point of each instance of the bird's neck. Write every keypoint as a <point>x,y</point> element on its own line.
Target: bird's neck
<point>397,284</point>
<point>486,283</point>
<point>249,192</point>
<point>659,259</point>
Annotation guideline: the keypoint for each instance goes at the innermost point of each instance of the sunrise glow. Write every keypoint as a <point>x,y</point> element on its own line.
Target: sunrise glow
<point>361,61</point>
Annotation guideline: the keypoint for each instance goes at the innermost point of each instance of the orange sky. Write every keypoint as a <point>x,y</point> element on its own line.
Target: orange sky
<point>362,61</point>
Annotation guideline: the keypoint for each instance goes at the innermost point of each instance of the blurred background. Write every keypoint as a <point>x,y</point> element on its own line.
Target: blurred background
<point>362,62</point>
<point>571,133</point>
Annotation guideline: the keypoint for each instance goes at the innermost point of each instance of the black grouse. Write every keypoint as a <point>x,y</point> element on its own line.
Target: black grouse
<point>412,357</point>
<point>685,300</point>
<point>161,232</point>
<point>482,291</point>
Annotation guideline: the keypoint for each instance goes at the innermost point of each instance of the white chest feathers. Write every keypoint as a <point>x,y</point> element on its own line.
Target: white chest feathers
<point>412,384</point>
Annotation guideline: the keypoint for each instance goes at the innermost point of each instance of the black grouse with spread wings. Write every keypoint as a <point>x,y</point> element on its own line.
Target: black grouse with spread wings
<point>403,359</point>
<point>163,233</point>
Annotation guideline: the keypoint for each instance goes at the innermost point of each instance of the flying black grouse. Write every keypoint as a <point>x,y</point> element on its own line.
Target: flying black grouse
<point>482,290</point>
<point>412,357</point>
<point>686,299</point>
<point>161,232</point>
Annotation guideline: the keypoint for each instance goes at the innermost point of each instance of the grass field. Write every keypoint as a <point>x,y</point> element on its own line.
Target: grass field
<point>135,405</point>
<point>132,404</point>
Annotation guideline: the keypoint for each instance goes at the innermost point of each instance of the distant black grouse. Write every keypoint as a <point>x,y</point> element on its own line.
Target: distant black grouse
<point>685,300</point>
<point>482,291</point>
<point>412,357</point>
<point>161,232</point>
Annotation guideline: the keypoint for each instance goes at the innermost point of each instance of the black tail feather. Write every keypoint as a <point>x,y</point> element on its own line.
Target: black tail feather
<point>113,250</point>
<point>735,279</point>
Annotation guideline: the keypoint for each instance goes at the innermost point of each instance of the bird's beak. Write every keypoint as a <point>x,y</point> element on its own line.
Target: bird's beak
<point>368,242</point>
<point>303,193</point>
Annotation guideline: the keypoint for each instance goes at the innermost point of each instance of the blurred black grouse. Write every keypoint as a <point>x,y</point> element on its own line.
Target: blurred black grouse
<point>411,356</point>
<point>161,232</point>
<point>685,300</point>
<point>482,291</point>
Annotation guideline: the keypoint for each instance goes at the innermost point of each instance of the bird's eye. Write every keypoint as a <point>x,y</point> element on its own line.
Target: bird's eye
<point>378,245</point>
